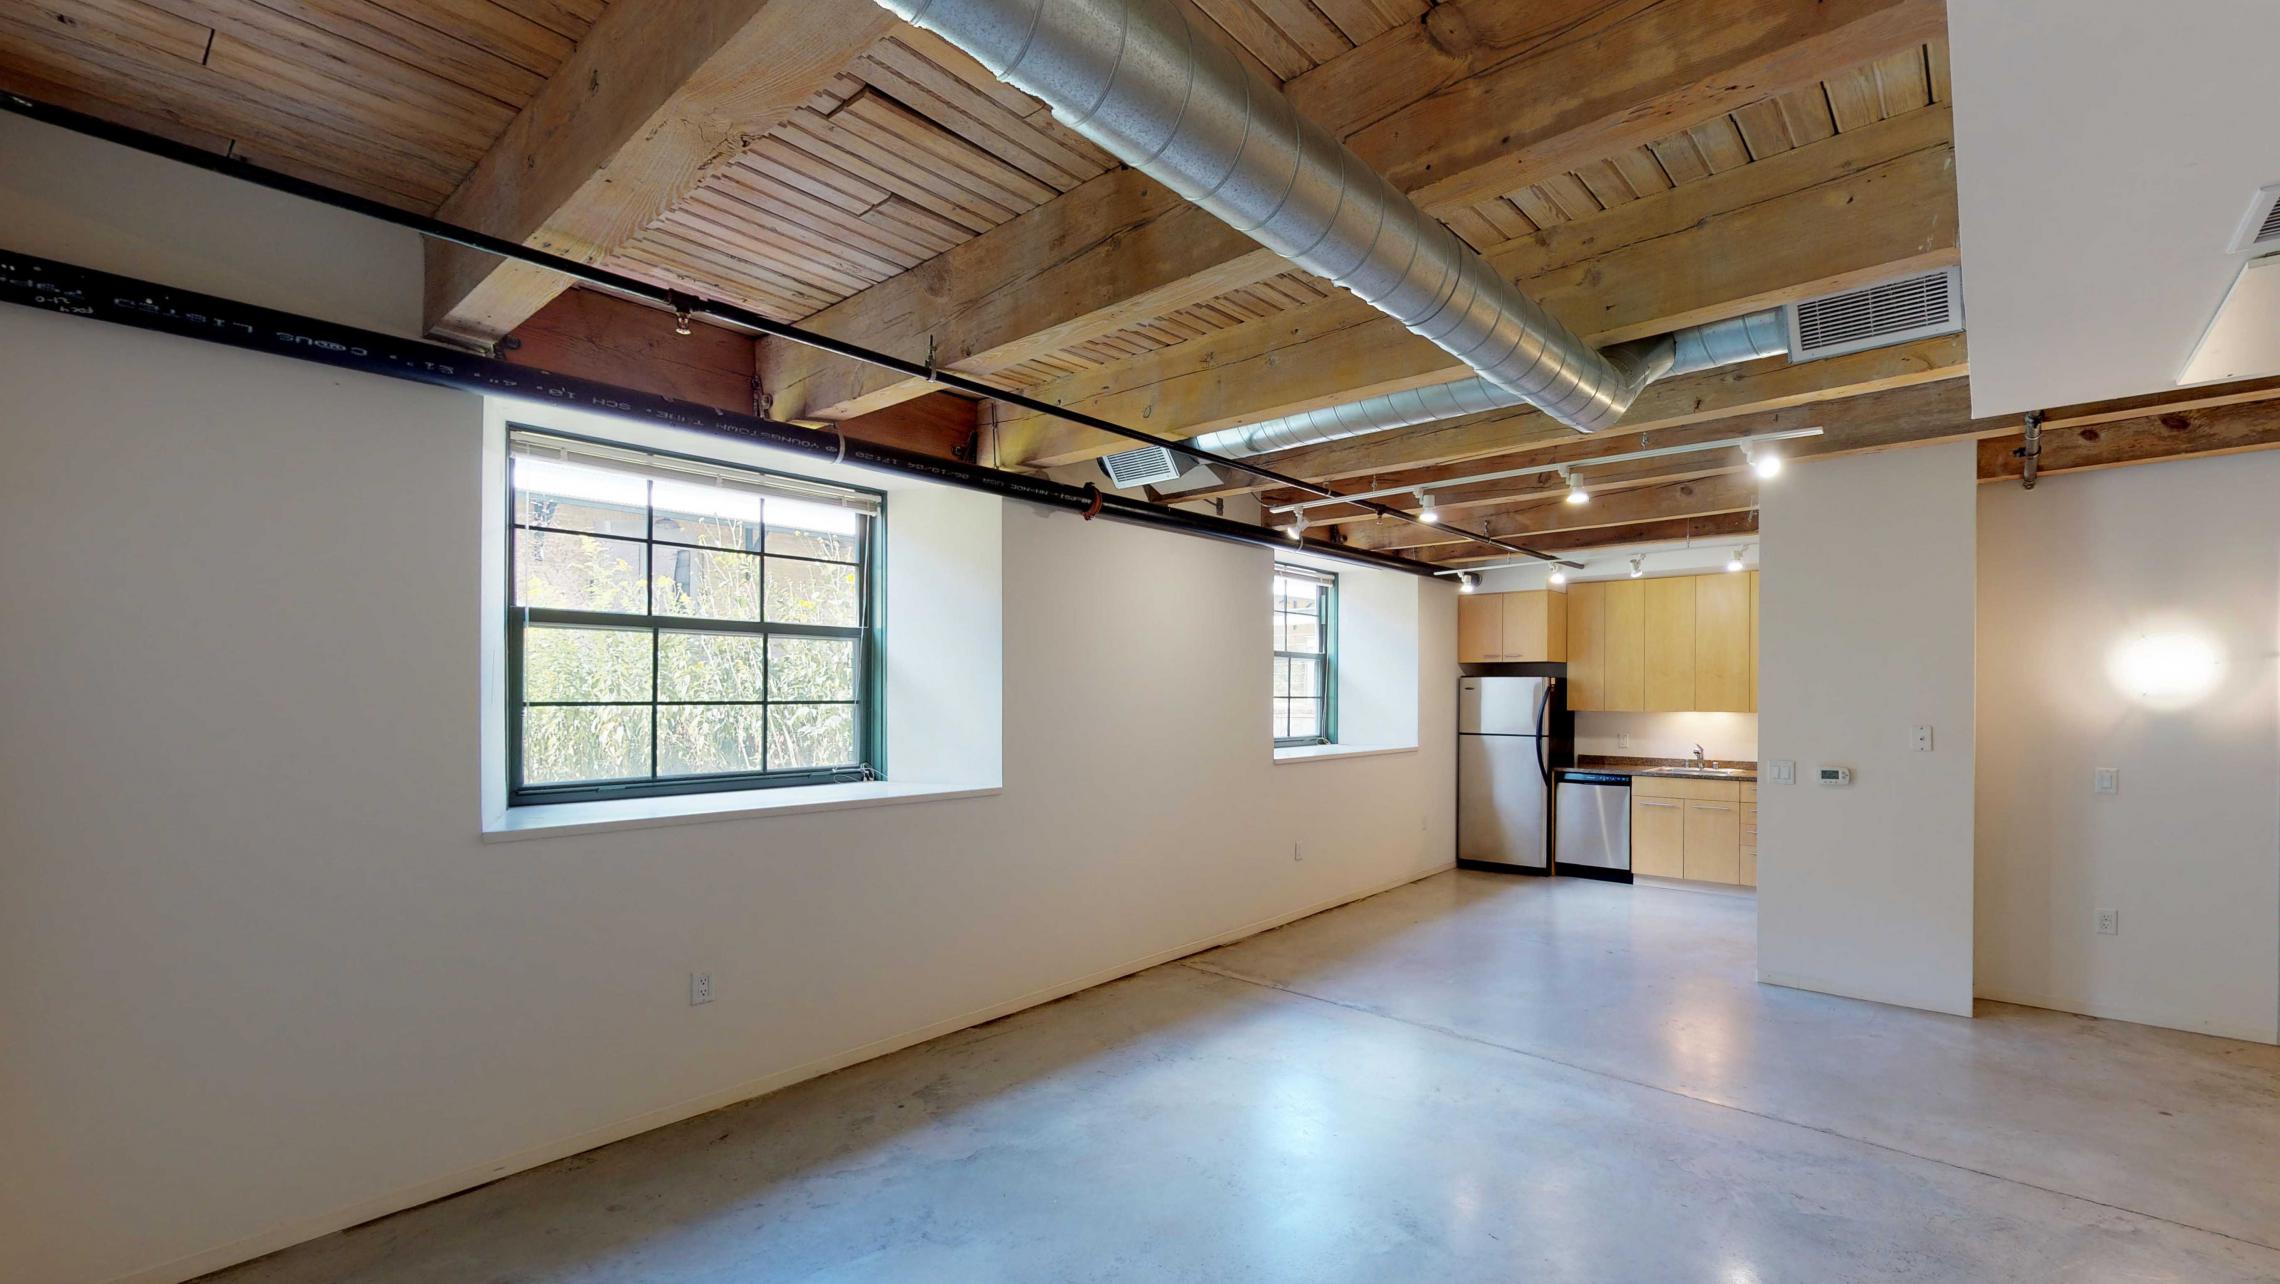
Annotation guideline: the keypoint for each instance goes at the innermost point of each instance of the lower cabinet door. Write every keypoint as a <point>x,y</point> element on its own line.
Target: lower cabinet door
<point>1658,837</point>
<point>1714,842</point>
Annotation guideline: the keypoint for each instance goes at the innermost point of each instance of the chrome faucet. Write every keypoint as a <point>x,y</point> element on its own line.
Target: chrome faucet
<point>1698,758</point>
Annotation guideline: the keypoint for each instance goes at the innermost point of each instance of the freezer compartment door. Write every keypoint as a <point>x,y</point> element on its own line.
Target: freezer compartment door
<point>1501,706</point>
<point>1501,801</point>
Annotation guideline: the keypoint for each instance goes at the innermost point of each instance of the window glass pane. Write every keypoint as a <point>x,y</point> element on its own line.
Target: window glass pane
<point>585,664</point>
<point>690,513</point>
<point>579,572</point>
<point>810,735</point>
<point>1305,718</point>
<point>1302,633</point>
<point>567,497</point>
<point>706,584</point>
<point>711,666</point>
<point>584,742</point>
<point>1305,678</point>
<point>811,668</point>
<point>1282,718</point>
<point>814,530</point>
<point>1282,676</point>
<point>708,739</point>
<point>812,593</point>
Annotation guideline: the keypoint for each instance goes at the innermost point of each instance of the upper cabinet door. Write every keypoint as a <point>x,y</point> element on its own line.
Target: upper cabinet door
<point>1480,628</point>
<point>1626,612</point>
<point>1722,643</point>
<point>1535,625</point>
<point>1753,645</point>
<point>1670,644</point>
<point>1587,646</point>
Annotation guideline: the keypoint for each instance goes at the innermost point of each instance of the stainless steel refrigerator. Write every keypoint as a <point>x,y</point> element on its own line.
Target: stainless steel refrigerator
<point>1511,732</point>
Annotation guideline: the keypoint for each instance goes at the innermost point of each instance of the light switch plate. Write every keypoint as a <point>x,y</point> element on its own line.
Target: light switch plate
<point>2106,780</point>
<point>1784,771</point>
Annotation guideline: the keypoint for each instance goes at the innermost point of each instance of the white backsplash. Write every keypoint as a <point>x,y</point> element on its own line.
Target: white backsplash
<point>1727,736</point>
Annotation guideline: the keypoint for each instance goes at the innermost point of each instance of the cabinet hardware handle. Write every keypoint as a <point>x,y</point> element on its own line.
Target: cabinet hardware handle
<point>1655,802</point>
<point>1703,806</point>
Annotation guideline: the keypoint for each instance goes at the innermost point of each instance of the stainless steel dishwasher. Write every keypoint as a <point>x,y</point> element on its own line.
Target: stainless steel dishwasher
<point>1592,826</point>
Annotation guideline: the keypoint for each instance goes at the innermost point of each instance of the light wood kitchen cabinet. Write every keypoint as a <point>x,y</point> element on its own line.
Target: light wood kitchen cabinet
<point>1587,646</point>
<point>1748,877</point>
<point>1658,836</point>
<point>1525,626</point>
<point>1692,829</point>
<point>1679,644</point>
<point>1722,643</point>
<point>1713,841</point>
<point>1753,643</point>
<point>1626,645</point>
<point>1480,628</point>
<point>1669,647</point>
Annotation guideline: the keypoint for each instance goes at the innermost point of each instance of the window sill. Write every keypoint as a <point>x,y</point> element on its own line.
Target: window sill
<point>552,820</point>
<point>1319,753</point>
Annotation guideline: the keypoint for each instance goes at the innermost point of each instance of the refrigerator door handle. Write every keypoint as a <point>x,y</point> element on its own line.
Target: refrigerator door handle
<point>1544,731</point>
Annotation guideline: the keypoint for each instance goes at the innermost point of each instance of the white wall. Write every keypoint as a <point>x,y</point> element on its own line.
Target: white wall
<point>1866,617</point>
<point>2074,577</point>
<point>1729,737</point>
<point>260,976</point>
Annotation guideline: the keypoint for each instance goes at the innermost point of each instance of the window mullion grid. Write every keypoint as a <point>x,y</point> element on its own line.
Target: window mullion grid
<point>649,603</point>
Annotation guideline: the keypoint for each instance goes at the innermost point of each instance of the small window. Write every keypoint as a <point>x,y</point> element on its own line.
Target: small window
<point>679,626</point>
<point>1306,656</point>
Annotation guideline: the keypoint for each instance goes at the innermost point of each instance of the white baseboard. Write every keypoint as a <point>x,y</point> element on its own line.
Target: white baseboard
<point>2135,1016</point>
<point>1818,986</point>
<point>396,1201</point>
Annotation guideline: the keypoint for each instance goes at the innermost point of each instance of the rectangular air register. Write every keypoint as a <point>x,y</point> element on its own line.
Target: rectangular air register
<point>2259,230</point>
<point>1168,470</point>
<point>1876,316</point>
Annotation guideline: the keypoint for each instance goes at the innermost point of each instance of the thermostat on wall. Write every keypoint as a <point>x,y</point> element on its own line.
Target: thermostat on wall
<point>1834,775</point>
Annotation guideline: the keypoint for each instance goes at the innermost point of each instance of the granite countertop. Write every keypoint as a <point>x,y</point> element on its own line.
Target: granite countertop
<point>1714,769</point>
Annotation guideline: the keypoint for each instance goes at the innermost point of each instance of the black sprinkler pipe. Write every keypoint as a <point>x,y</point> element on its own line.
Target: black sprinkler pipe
<point>680,304</point>
<point>63,288</point>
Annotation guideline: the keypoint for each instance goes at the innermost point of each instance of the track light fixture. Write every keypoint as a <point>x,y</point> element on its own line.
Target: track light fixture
<point>1576,493</point>
<point>1762,461</point>
<point>1559,575</point>
<point>1298,528</point>
<point>1638,566</point>
<point>1426,512</point>
<point>1734,563</point>
<point>1465,583</point>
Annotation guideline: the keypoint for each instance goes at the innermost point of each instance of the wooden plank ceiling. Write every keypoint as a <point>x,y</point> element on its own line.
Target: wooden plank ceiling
<point>1637,164</point>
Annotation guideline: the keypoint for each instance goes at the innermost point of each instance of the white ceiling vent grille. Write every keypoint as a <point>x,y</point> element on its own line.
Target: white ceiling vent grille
<point>1144,466</point>
<point>2260,227</point>
<point>1876,316</point>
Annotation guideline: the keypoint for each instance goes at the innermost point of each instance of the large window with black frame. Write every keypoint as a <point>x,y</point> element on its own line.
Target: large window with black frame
<point>1306,656</point>
<point>678,626</point>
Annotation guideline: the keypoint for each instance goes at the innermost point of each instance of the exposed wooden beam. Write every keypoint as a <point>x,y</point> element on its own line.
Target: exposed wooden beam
<point>1854,208</point>
<point>601,336</point>
<point>2199,431</point>
<point>1889,420</point>
<point>1431,453</point>
<point>1567,82</point>
<point>658,93</point>
<point>1716,526</point>
<point>1697,497</point>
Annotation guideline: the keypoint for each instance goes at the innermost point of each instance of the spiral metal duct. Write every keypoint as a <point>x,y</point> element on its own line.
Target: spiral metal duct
<point>1141,80</point>
<point>1701,347</point>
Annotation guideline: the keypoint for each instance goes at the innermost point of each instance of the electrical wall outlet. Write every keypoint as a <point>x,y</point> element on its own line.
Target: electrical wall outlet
<point>1784,771</point>
<point>1923,738</point>
<point>2109,922</point>
<point>700,988</point>
<point>2106,780</point>
<point>1623,741</point>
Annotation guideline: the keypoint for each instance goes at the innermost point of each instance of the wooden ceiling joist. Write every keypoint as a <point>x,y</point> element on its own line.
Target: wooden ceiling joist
<point>1479,96</point>
<point>1854,208</point>
<point>658,93</point>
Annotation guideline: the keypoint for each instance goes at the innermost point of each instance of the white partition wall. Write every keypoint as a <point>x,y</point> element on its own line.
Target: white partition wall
<point>1866,618</point>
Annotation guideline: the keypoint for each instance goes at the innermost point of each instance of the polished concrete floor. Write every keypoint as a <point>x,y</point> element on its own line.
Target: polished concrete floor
<point>1470,1078</point>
